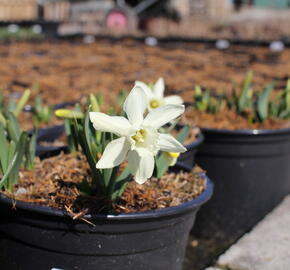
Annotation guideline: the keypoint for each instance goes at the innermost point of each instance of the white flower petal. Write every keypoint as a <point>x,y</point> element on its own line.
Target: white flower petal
<point>115,124</point>
<point>168,143</point>
<point>158,88</point>
<point>135,105</point>
<point>114,154</point>
<point>173,100</point>
<point>146,88</point>
<point>162,115</point>
<point>141,164</point>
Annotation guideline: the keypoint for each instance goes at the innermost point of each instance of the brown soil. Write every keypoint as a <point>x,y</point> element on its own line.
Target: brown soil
<point>55,183</point>
<point>228,119</point>
<point>67,71</point>
<point>26,121</point>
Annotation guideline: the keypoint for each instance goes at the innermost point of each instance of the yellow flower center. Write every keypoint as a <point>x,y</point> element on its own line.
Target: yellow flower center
<point>154,103</point>
<point>139,136</point>
<point>173,154</point>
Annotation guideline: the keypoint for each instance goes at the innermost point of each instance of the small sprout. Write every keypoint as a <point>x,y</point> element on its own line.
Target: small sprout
<point>95,107</point>
<point>22,102</point>
<point>263,102</point>
<point>70,114</point>
<point>255,106</point>
<point>41,113</point>
<point>201,100</point>
<point>245,99</point>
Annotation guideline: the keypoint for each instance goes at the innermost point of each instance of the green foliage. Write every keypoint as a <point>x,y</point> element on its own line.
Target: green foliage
<point>105,182</point>
<point>94,103</point>
<point>22,102</point>
<point>17,150</point>
<point>23,34</point>
<point>164,160</point>
<point>12,104</point>
<point>201,99</point>
<point>41,113</point>
<point>256,106</point>
<point>245,100</point>
<point>263,102</point>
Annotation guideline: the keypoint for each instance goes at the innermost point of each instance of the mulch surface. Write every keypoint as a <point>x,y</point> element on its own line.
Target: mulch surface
<point>67,71</point>
<point>229,120</point>
<point>56,181</point>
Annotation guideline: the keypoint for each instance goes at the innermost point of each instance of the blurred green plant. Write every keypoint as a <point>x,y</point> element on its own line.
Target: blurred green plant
<point>41,113</point>
<point>17,150</point>
<point>13,104</point>
<point>256,106</point>
<point>20,34</point>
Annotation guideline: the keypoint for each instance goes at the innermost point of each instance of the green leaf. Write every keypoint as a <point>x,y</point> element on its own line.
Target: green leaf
<point>2,120</point>
<point>263,102</point>
<point>71,137</point>
<point>94,103</point>
<point>121,183</point>
<point>285,114</point>
<point>287,97</point>
<point>30,151</point>
<point>161,165</point>
<point>13,127</point>
<point>248,80</point>
<point>244,101</point>
<point>275,109</point>
<point>3,149</point>
<point>22,102</point>
<point>197,91</point>
<point>183,134</point>
<point>14,166</point>
<point>107,173</point>
<point>83,137</point>
<point>112,182</point>
<point>201,99</point>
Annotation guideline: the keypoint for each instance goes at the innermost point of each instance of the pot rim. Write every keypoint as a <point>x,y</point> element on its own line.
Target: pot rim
<point>165,212</point>
<point>246,132</point>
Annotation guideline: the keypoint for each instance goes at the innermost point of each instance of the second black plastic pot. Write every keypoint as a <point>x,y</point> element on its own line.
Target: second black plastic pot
<point>37,237</point>
<point>251,173</point>
<point>188,158</point>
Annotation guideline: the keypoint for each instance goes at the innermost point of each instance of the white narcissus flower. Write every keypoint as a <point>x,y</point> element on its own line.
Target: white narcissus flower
<point>156,95</point>
<point>139,138</point>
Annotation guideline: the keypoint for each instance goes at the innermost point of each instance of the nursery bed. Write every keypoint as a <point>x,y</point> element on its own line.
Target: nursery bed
<point>67,71</point>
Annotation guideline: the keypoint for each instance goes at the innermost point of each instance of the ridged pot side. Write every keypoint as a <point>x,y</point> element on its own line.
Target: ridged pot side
<point>37,237</point>
<point>251,173</point>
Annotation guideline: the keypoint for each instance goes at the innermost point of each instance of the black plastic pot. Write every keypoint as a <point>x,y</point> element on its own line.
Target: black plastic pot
<point>251,173</point>
<point>49,151</point>
<point>38,237</point>
<point>188,158</point>
<point>50,134</point>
